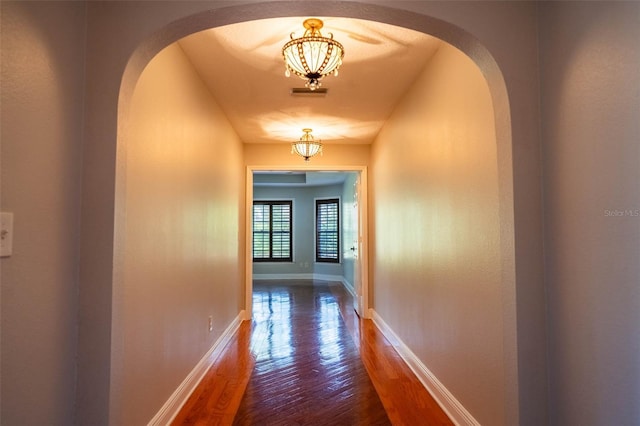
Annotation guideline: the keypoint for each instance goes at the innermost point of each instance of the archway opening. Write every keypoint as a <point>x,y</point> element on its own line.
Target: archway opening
<point>128,179</point>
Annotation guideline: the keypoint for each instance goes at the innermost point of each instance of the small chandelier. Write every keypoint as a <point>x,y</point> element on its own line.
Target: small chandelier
<point>312,56</point>
<point>307,146</point>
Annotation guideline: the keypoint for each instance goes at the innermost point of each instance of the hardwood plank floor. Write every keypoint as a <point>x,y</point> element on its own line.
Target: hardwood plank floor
<point>307,358</point>
<point>405,399</point>
<point>308,370</point>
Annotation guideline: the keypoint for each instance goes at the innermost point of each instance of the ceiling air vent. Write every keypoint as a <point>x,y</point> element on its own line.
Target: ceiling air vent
<point>308,93</point>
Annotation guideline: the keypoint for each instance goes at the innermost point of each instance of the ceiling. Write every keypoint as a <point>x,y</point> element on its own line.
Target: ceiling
<point>243,68</point>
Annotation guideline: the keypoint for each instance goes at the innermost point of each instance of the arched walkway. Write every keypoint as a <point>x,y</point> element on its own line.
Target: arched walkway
<point>450,33</point>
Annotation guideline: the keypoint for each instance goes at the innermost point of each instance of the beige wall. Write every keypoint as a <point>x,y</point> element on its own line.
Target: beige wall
<point>41,140</point>
<point>180,246</point>
<point>437,261</point>
<point>280,157</point>
<point>590,75</point>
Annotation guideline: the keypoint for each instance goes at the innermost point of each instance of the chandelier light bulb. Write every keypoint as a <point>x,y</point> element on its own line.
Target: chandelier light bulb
<point>307,146</point>
<point>312,56</point>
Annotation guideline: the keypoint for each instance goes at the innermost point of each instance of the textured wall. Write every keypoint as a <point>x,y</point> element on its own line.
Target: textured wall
<point>590,77</point>
<point>184,185</point>
<point>42,101</point>
<point>437,260</point>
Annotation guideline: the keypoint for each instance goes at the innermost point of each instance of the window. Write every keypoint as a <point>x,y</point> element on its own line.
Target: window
<point>272,228</point>
<point>327,230</point>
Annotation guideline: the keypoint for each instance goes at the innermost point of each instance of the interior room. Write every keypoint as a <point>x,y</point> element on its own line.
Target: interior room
<point>484,157</point>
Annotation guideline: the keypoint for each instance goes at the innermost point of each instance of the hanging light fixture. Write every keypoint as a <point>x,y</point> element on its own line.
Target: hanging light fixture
<point>312,56</point>
<point>307,146</point>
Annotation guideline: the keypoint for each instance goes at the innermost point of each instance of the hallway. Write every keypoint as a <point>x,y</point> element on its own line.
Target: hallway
<point>306,358</point>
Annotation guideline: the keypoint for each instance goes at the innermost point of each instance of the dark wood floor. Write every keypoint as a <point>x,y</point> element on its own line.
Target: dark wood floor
<point>308,359</point>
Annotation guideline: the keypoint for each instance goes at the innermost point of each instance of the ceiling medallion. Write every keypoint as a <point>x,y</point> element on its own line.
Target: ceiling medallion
<point>312,56</point>
<point>307,146</point>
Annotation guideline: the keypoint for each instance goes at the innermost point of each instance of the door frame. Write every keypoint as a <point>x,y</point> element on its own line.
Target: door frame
<point>363,217</point>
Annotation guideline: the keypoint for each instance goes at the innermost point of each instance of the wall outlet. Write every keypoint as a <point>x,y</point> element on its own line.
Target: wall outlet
<point>210,323</point>
<point>6,234</point>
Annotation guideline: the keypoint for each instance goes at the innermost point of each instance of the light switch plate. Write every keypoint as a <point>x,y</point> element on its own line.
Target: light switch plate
<point>6,234</point>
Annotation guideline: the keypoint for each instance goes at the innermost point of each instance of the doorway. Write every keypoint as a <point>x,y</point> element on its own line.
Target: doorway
<point>353,250</point>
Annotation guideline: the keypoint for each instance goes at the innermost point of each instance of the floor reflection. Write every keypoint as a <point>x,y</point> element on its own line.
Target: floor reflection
<point>308,369</point>
<point>272,313</point>
<point>329,330</point>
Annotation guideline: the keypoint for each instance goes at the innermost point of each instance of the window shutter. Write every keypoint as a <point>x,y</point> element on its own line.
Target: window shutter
<point>327,230</point>
<point>272,231</point>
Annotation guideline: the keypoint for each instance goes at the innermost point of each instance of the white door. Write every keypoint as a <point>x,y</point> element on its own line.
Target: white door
<point>356,250</point>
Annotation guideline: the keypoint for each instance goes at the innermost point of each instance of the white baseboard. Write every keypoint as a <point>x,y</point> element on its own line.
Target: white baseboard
<point>282,276</point>
<point>172,407</point>
<point>308,276</point>
<point>331,278</point>
<point>454,409</point>
<point>319,277</point>
<point>349,287</point>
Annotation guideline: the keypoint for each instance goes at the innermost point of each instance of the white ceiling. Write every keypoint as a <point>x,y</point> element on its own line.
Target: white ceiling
<point>243,68</point>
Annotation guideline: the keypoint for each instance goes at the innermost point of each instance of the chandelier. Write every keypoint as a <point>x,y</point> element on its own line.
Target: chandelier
<point>312,56</point>
<point>307,146</point>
